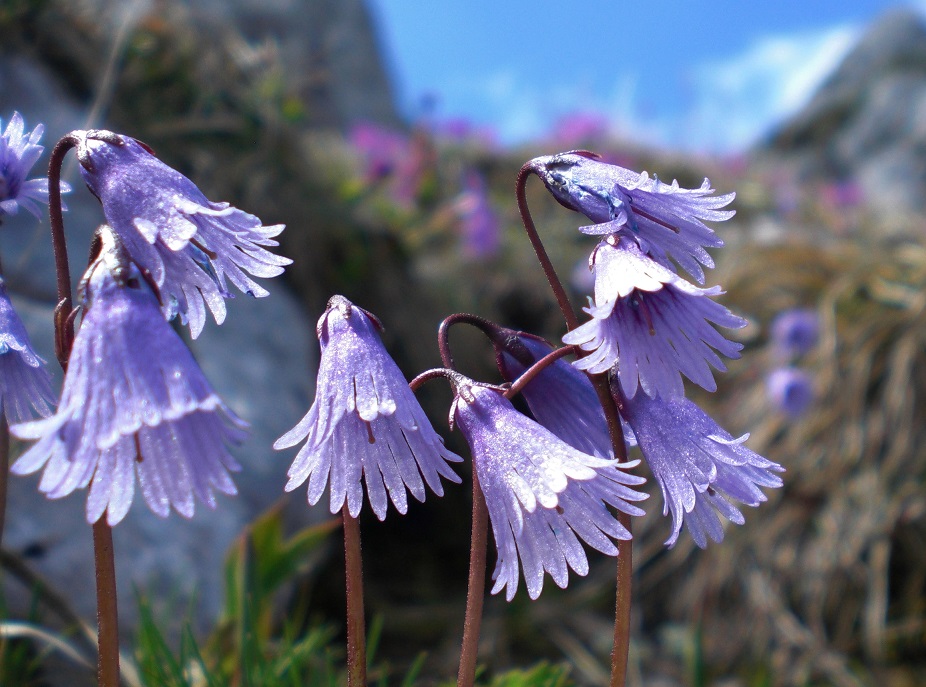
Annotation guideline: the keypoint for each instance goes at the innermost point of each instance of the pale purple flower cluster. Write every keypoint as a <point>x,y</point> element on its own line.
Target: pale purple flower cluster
<point>25,387</point>
<point>543,495</point>
<point>647,322</point>
<point>189,245</point>
<point>365,423</point>
<point>793,334</point>
<point>18,153</point>
<point>134,403</point>
<point>649,328</point>
<point>698,465</point>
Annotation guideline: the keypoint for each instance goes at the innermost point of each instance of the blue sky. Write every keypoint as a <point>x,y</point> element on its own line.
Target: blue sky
<point>710,76</point>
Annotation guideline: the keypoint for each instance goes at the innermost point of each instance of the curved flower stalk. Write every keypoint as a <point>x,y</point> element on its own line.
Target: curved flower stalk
<point>665,218</point>
<point>542,495</point>
<point>134,401</point>
<point>699,466</point>
<point>652,324</point>
<point>25,387</point>
<point>364,423</point>
<point>18,153</point>
<point>189,245</point>
<point>560,397</point>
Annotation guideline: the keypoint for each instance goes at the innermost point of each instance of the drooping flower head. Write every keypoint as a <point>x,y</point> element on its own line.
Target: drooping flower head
<point>560,397</point>
<point>134,402</point>
<point>790,390</point>
<point>189,245</point>
<point>25,388</point>
<point>365,423</point>
<point>701,469</point>
<point>18,153</point>
<point>795,332</point>
<point>652,324</point>
<point>542,495</point>
<point>664,218</point>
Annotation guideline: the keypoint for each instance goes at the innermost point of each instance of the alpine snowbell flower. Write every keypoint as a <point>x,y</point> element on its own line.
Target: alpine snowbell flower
<point>790,390</point>
<point>189,245</point>
<point>664,218</point>
<point>795,332</point>
<point>25,387</point>
<point>364,423</point>
<point>542,495</point>
<point>18,153</point>
<point>560,397</point>
<point>652,324</point>
<point>134,401</point>
<point>699,466</point>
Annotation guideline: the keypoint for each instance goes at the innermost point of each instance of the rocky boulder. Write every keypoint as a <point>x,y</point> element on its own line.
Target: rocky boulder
<point>867,122</point>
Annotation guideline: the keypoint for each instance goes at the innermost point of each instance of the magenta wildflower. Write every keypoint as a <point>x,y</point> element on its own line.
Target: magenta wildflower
<point>189,245</point>
<point>664,218</point>
<point>542,495</point>
<point>652,324</point>
<point>25,387</point>
<point>364,423</point>
<point>18,153</point>
<point>790,390</point>
<point>134,401</point>
<point>699,466</point>
<point>560,397</point>
<point>380,148</point>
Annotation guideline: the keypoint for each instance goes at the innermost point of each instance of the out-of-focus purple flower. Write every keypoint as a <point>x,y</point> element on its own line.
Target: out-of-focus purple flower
<point>542,495</point>
<point>790,390</point>
<point>18,153</point>
<point>664,218</point>
<point>189,245</point>
<point>134,401</point>
<point>580,128</point>
<point>699,466</point>
<point>380,149</point>
<point>652,324</point>
<point>479,226</point>
<point>25,387</point>
<point>795,332</point>
<point>364,423</point>
<point>842,195</point>
<point>560,397</point>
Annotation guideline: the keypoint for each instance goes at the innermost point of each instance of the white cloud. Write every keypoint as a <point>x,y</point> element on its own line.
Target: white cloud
<point>740,99</point>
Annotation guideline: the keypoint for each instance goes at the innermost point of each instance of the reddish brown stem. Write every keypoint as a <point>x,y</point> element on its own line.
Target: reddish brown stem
<point>475,588</point>
<point>558,291</point>
<point>356,626</point>
<point>107,609</point>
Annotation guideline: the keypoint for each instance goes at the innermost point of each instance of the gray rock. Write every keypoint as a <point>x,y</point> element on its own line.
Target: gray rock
<point>867,123</point>
<point>262,361</point>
